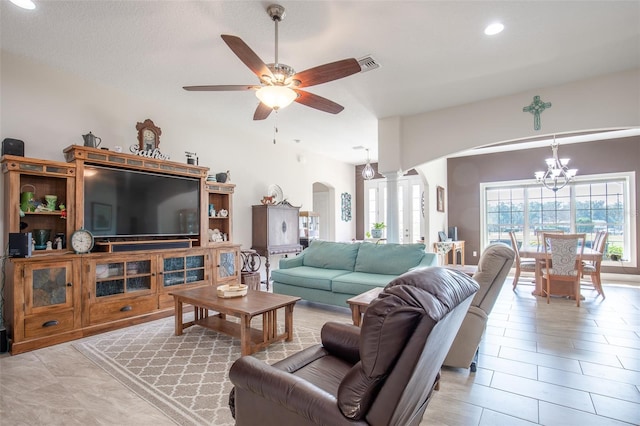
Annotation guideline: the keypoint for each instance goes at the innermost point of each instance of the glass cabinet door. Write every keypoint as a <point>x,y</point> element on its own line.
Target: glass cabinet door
<point>227,265</point>
<point>47,285</point>
<point>179,270</point>
<point>115,278</point>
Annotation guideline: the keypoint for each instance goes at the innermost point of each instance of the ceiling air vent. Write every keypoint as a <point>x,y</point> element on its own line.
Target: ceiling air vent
<point>367,63</point>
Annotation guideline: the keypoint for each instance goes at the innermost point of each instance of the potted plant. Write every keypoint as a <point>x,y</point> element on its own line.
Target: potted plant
<point>376,231</point>
<point>615,253</point>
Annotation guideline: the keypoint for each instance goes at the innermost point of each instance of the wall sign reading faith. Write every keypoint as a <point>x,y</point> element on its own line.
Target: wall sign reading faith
<point>149,153</point>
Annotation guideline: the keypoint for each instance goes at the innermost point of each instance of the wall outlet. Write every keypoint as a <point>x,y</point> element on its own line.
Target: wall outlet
<point>475,253</point>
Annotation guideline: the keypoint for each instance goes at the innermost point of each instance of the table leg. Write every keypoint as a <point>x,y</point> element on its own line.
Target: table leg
<point>245,335</point>
<point>462,255</point>
<point>288,322</point>
<point>356,314</point>
<point>178,316</point>
<point>538,290</point>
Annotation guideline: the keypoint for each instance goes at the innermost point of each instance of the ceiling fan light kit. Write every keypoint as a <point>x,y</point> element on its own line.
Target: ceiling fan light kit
<point>279,83</point>
<point>276,97</point>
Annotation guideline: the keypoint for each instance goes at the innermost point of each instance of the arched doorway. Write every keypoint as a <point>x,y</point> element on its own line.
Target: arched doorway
<point>324,205</point>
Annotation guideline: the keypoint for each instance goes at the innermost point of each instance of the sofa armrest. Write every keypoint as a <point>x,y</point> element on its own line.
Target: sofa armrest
<point>291,262</point>
<point>342,341</point>
<point>285,391</point>
<point>429,259</point>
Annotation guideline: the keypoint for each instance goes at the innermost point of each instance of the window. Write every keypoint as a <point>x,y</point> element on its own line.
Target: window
<point>588,205</point>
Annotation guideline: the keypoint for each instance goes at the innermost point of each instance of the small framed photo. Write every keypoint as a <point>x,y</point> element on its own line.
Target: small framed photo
<point>440,199</point>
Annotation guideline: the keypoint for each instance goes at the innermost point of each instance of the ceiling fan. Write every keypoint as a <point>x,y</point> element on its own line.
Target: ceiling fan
<point>279,83</point>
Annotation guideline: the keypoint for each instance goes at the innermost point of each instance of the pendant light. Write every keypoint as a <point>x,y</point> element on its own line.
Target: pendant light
<point>367,172</point>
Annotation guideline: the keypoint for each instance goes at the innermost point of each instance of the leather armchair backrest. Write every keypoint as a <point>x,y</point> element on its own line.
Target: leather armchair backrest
<point>494,266</point>
<point>414,302</point>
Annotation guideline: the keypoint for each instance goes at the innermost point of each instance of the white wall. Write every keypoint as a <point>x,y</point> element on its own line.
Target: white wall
<point>606,102</point>
<point>434,174</point>
<point>50,109</point>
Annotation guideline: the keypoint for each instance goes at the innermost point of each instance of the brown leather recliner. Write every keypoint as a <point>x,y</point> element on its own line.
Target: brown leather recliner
<point>381,374</point>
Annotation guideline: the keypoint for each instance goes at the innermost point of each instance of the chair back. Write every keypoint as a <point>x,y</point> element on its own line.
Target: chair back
<point>563,254</point>
<point>406,333</point>
<point>493,267</point>
<point>514,246</point>
<point>540,233</point>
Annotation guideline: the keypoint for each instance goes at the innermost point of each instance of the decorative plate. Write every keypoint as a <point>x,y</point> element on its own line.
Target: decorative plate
<point>276,192</point>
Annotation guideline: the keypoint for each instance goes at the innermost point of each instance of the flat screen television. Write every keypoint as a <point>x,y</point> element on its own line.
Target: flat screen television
<point>129,203</point>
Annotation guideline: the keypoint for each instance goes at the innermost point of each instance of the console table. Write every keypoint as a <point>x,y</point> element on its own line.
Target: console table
<point>456,246</point>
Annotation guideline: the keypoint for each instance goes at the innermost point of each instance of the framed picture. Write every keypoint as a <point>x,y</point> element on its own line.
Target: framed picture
<point>440,198</point>
<point>101,216</point>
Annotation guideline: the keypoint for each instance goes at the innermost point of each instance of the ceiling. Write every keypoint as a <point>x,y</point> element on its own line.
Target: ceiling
<point>433,54</point>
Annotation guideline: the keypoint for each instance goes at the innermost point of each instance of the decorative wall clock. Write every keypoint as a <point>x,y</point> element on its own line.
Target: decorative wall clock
<point>148,135</point>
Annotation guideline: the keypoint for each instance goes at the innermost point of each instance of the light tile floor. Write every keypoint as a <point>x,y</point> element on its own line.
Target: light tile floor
<point>553,364</point>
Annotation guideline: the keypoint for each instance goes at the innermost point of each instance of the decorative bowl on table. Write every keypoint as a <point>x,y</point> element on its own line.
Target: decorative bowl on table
<point>226,291</point>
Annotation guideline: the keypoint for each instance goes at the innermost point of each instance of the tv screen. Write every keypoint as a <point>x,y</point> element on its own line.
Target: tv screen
<point>128,203</point>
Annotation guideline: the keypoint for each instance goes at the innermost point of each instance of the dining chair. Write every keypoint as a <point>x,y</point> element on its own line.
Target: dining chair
<point>526,265</point>
<point>593,268</point>
<point>541,232</point>
<point>563,260</point>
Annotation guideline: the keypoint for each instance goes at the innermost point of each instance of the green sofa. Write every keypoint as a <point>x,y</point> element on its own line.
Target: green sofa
<point>330,272</point>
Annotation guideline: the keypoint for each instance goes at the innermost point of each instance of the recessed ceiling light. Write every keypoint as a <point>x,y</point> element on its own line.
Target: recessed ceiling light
<point>25,4</point>
<point>494,29</point>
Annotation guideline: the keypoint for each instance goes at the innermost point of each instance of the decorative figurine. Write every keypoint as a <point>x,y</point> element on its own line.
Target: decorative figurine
<point>58,243</point>
<point>49,245</point>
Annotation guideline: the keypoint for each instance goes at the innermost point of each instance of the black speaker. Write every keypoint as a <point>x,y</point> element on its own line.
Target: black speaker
<point>20,244</point>
<point>13,147</point>
<point>453,233</point>
<point>4,343</point>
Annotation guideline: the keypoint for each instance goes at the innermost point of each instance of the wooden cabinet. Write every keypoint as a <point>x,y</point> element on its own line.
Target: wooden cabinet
<point>309,228</point>
<point>42,301</point>
<point>179,270</point>
<point>113,284</point>
<point>57,295</point>
<point>275,231</point>
<point>227,265</point>
<point>24,176</point>
<point>219,212</point>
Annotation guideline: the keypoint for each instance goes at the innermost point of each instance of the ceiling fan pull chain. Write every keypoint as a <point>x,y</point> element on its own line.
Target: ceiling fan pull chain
<point>275,129</point>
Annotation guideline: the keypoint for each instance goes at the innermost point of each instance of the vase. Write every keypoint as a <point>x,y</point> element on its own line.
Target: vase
<point>376,233</point>
<point>41,236</point>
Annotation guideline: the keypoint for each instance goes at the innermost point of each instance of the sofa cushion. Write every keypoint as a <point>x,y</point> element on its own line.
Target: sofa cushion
<point>331,255</point>
<point>359,282</point>
<point>388,259</point>
<point>306,276</point>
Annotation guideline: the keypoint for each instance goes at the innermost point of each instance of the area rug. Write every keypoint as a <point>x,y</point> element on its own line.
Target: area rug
<point>185,377</point>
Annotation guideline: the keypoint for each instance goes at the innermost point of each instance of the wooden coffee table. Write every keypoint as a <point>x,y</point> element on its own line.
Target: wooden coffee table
<point>361,302</point>
<point>205,299</point>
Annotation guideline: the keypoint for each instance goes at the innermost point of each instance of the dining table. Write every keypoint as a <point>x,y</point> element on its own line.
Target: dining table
<point>559,288</point>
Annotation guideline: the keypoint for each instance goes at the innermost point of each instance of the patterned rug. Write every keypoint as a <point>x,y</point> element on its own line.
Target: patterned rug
<point>185,377</point>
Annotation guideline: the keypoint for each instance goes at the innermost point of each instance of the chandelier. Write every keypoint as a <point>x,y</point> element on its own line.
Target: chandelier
<point>367,172</point>
<point>558,175</point>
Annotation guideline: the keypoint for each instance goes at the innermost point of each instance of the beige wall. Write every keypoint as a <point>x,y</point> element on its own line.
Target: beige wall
<point>464,175</point>
<point>49,110</point>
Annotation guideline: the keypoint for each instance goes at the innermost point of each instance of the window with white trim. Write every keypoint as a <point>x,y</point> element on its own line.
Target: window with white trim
<point>588,205</point>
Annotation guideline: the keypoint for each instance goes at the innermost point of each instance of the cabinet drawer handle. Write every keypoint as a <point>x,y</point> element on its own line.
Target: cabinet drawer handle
<point>50,323</point>
<point>69,285</point>
<point>125,308</point>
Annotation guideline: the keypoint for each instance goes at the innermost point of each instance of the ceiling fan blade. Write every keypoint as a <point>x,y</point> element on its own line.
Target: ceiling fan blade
<point>247,56</point>
<point>222,88</point>
<point>318,102</point>
<point>327,72</point>
<point>262,112</point>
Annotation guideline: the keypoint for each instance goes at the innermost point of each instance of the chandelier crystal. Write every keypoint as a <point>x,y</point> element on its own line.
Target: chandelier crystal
<point>558,175</point>
<point>367,172</point>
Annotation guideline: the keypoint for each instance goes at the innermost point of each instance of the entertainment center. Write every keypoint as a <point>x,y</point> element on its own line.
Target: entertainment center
<point>151,222</point>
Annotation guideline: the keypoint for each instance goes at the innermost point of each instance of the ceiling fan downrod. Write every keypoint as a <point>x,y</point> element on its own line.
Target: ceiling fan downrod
<point>276,12</point>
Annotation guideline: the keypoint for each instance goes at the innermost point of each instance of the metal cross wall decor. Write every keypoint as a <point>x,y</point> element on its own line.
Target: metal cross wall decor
<point>536,108</point>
